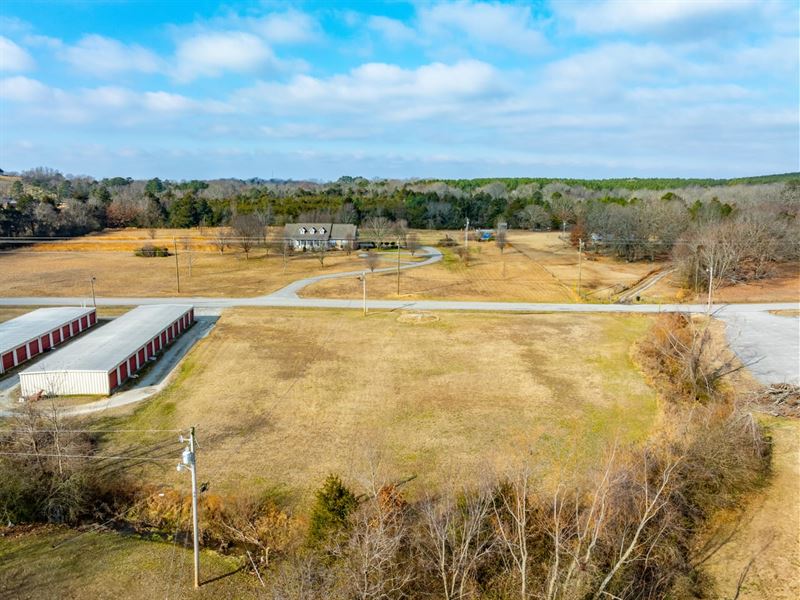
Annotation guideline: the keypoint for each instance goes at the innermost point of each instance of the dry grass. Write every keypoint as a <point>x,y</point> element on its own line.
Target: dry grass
<point>489,275</point>
<point>282,398</point>
<point>110,565</point>
<point>65,268</point>
<point>769,533</point>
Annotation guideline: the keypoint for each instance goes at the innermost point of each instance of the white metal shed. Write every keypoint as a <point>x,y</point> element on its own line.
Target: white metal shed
<point>101,361</point>
<point>40,330</point>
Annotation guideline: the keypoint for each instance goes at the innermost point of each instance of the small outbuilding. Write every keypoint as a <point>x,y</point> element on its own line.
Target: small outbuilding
<point>39,331</point>
<point>103,360</point>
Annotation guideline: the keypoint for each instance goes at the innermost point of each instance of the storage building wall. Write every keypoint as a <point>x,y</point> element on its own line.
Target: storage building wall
<point>35,346</point>
<point>116,377</point>
<point>66,383</point>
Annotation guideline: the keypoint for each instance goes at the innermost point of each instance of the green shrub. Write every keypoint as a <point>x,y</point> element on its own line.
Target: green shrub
<point>150,251</point>
<point>333,505</point>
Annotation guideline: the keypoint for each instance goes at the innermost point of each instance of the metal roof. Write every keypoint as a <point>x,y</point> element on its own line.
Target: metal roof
<point>27,327</point>
<point>107,346</point>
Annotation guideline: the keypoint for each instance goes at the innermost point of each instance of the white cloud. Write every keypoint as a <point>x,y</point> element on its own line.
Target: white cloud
<point>103,56</point>
<point>487,23</point>
<point>380,90</point>
<point>674,18</point>
<point>212,54</point>
<point>287,27</point>
<point>392,30</point>
<point>22,89</point>
<point>167,102</point>
<point>13,57</point>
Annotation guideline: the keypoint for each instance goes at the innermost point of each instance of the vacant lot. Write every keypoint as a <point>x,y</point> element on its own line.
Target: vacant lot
<point>65,268</point>
<point>52,562</point>
<point>488,275</point>
<point>282,398</point>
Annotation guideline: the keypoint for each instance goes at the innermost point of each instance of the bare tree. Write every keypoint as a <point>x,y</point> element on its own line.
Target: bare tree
<point>464,254</point>
<point>372,259</point>
<point>457,539</point>
<point>534,216</point>
<point>378,229</point>
<point>247,232</point>
<point>501,238</point>
<point>513,515</point>
<point>221,239</point>
<point>375,554</point>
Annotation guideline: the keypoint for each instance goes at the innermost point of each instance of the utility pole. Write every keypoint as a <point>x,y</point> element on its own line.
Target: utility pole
<point>710,284</point>
<point>363,279</point>
<point>188,462</point>
<point>177,270</point>
<point>580,256</point>
<point>398,266</point>
<point>94,300</point>
<point>466,235</point>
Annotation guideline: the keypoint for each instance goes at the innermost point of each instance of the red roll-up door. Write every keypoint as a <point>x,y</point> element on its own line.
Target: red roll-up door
<point>65,333</point>
<point>141,356</point>
<point>76,326</point>
<point>112,379</point>
<point>132,364</point>
<point>45,342</point>
<point>84,322</point>
<point>56,337</point>
<point>163,338</point>
<point>123,372</point>
<point>150,349</point>
<point>92,318</point>
<point>8,361</point>
<point>22,354</point>
<point>34,347</point>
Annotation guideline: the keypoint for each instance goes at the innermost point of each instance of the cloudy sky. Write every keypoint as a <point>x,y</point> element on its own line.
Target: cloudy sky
<point>196,89</point>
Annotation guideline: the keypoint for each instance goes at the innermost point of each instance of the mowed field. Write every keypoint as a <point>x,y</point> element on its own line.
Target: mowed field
<point>55,562</point>
<point>65,268</point>
<point>281,398</point>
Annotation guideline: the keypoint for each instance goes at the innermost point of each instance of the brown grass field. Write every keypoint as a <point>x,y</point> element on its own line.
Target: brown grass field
<point>65,268</point>
<point>281,398</point>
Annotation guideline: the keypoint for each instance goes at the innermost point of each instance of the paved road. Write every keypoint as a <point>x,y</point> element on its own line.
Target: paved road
<point>290,291</point>
<point>769,343</point>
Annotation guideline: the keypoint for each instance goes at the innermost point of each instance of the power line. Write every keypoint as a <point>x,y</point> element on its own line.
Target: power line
<point>93,456</point>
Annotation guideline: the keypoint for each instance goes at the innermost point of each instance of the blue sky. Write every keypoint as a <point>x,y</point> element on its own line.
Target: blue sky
<point>181,89</point>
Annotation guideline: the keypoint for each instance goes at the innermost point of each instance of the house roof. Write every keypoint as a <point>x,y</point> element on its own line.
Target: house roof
<point>318,231</point>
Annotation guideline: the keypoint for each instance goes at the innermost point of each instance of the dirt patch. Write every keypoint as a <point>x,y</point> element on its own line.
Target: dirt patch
<point>417,318</point>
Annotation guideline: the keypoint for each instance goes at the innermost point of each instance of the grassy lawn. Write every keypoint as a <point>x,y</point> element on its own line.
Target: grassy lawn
<point>110,565</point>
<point>281,398</point>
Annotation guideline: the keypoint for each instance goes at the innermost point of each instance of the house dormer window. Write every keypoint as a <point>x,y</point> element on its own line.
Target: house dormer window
<point>322,230</point>
<point>313,230</point>
<point>303,230</point>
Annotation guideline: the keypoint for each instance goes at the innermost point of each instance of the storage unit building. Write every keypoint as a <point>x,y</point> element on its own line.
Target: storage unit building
<point>102,360</point>
<point>40,330</point>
